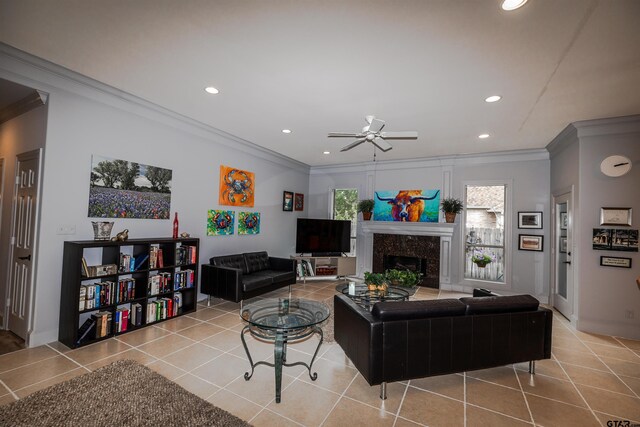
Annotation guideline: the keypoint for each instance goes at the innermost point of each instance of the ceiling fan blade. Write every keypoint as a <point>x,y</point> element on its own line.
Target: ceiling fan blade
<point>354,144</point>
<point>400,135</point>
<point>344,134</point>
<point>381,144</point>
<point>376,125</point>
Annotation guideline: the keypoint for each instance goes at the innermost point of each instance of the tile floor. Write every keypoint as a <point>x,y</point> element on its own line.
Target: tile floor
<point>589,380</point>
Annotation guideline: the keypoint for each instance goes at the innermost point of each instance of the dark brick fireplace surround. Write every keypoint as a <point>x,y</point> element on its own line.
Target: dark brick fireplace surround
<point>425,248</point>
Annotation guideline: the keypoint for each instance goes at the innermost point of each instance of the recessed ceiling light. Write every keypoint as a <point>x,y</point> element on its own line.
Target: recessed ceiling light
<point>286,130</point>
<point>493,98</point>
<point>326,152</point>
<point>483,136</point>
<point>513,4</point>
<point>211,89</point>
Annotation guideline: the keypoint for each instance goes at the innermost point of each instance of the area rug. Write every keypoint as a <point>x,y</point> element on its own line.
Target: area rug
<point>123,393</point>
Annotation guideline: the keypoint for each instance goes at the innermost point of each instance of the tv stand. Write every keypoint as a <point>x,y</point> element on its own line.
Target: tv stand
<point>324,266</point>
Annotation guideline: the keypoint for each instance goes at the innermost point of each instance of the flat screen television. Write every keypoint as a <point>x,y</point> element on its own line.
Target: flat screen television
<point>323,236</point>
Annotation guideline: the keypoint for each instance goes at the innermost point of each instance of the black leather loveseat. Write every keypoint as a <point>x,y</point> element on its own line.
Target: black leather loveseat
<point>413,339</point>
<point>243,276</point>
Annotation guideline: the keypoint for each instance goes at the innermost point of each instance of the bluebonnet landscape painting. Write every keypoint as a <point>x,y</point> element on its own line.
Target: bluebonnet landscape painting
<point>122,189</point>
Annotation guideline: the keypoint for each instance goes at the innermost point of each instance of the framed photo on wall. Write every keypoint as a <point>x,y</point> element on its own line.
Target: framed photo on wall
<point>615,216</point>
<point>563,245</point>
<point>298,202</point>
<point>563,220</point>
<point>287,201</point>
<point>529,242</point>
<point>529,219</point>
<point>614,261</point>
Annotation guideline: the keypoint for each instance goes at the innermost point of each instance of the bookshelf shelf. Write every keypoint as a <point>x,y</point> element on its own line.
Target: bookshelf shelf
<point>98,288</point>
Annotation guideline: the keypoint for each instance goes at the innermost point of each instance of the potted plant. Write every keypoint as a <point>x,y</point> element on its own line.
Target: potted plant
<point>403,278</point>
<point>451,207</point>
<point>366,207</point>
<point>376,282</point>
<point>482,258</point>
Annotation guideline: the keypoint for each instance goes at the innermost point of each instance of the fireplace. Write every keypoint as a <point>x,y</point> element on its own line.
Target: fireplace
<point>417,253</point>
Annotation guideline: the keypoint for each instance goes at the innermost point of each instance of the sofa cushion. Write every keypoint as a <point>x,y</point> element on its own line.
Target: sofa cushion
<point>500,304</point>
<point>233,261</point>
<point>256,261</point>
<point>252,282</point>
<point>410,310</point>
<point>277,276</point>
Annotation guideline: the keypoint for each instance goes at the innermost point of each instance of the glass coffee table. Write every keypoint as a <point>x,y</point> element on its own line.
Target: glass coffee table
<point>365,298</point>
<point>283,320</point>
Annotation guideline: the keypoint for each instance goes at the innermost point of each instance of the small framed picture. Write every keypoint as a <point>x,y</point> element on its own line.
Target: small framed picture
<point>563,220</point>
<point>624,239</point>
<point>563,245</point>
<point>287,201</point>
<point>298,202</point>
<point>529,219</point>
<point>615,216</point>
<point>601,240</point>
<point>528,242</point>
<point>614,261</point>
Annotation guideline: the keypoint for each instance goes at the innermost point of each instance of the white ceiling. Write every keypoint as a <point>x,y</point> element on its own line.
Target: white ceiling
<point>321,66</point>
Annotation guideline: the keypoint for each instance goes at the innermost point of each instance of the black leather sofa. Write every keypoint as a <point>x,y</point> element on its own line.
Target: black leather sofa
<point>413,339</point>
<point>243,276</point>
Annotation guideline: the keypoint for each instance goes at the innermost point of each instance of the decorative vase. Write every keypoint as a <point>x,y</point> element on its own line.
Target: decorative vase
<point>102,230</point>
<point>366,216</point>
<point>450,217</point>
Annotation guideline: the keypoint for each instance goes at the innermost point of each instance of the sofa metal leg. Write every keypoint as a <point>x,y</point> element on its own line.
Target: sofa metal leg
<point>532,366</point>
<point>209,301</point>
<point>383,391</point>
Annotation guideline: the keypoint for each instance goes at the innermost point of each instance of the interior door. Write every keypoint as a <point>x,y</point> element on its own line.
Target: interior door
<point>563,289</point>
<point>22,241</point>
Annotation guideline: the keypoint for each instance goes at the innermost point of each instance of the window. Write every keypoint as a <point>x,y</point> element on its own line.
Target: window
<point>484,249</point>
<point>345,206</point>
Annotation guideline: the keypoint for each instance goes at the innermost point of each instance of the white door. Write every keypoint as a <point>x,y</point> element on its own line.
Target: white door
<point>563,291</point>
<point>22,240</point>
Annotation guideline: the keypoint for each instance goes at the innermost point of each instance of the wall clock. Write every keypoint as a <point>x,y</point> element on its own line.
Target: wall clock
<point>615,166</point>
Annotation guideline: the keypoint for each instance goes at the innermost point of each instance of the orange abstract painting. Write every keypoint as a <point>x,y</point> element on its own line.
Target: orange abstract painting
<point>236,187</point>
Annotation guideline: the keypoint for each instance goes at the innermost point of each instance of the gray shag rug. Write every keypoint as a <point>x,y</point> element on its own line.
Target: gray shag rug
<point>123,393</point>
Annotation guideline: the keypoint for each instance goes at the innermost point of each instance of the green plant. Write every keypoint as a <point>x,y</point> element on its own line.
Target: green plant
<point>452,205</point>
<point>365,205</point>
<point>374,278</point>
<point>482,257</point>
<point>403,278</point>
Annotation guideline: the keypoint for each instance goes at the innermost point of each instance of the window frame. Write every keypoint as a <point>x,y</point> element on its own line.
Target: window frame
<point>508,235</point>
<point>354,229</point>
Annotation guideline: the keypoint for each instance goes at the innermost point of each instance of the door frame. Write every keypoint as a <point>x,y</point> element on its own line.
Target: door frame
<point>568,306</point>
<point>38,153</point>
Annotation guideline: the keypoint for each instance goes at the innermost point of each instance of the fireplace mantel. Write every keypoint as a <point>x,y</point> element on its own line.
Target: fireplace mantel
<point>441,229</point>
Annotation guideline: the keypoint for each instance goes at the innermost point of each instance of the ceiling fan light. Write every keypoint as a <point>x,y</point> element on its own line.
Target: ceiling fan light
<point>212,90</point>
<point>326,152</point>
<point>510,5</point>
<point>493,98</point>
<point>286,130</point>
<point>483,136</point>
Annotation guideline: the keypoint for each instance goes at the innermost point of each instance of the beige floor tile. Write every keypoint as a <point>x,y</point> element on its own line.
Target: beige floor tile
<point>598,339</point>
<point>632,344</point>
<point>24,392</point>
<point>261,387</point>
<point>401,422</point>
<point>617,404</point>
<point>206,314</point>
<point>178,324</point>
<point>622,367</point>
<point>228,306</point>
<point>348,412</point>
<point>165,345</point>
<point>258,349</point>
<point>632,383</point>
<point>578,358</point>
<point>227,320</point>
<point>234,404</point>
<point>551,388</point>
<point>225,340</point>
<point>222,370</point>
<point>192,356</point>
<point>35,372</point>
<point>58,346</point>
<point>430,409</point>
<point>94,352</point>
<point>332,376</point>
<point>144,335</point>
<point>599,379</point>
<point>200,331</point>
<point>268,418</point>
<point>574,344</point>
<point>168,371</point>
<point>548,367</point>
<point>448,385</point>
<point>131,354</point>
<point>196,386</point>
<point>6,399</point>
<point>548,412</point>
<point>502,375</point>
<point>296,406</point>
<point>361,391</point>
<point>497,398</point>
<point>614,352</point>
<point>24,357</point>
<point>482,418</point>
<point>335,353</point>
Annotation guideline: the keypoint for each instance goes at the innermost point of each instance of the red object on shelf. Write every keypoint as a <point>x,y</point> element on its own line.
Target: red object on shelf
<point>175,226</point>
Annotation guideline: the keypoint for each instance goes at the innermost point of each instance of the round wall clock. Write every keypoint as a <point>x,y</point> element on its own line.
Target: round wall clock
<point>615,166</point>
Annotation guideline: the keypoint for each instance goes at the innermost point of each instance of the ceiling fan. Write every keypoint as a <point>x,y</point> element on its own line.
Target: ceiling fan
<point>373,133</point>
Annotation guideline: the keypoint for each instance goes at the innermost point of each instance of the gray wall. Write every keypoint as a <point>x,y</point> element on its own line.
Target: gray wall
<point>527,173</point>
<point>85,118</point>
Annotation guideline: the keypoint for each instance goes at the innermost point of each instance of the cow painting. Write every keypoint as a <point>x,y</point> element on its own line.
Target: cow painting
<point>407,205</point>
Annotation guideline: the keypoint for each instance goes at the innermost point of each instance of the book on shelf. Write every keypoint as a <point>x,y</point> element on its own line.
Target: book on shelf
<point>87,330</point>
<point>85,268</point>
<point>140,262</point>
